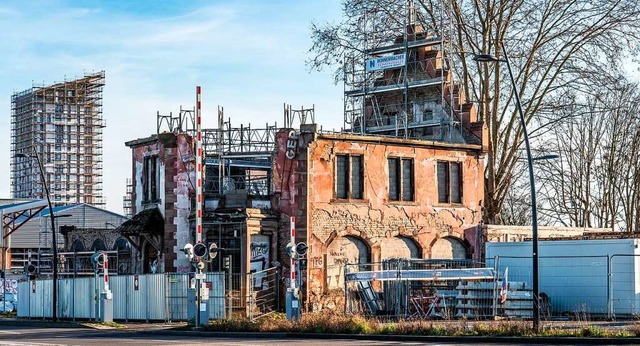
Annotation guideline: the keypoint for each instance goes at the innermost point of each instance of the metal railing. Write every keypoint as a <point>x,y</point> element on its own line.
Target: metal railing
<point>418,289</point>
<point>572,288</point>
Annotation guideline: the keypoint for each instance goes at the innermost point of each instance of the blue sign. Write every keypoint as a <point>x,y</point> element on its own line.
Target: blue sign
<point>386,62</point>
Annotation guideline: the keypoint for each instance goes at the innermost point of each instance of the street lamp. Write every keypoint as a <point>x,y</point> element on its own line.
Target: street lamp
<point>546,157</point>
<point>534,210</point>
<point>54,245</point>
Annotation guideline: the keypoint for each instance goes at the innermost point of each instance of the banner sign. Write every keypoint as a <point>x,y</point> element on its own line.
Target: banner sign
<point>386,62</point>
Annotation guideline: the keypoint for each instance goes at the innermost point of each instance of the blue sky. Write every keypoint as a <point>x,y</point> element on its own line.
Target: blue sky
<point>248,56</point>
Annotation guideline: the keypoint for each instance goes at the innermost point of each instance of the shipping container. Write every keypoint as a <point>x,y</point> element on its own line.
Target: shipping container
<point>581,278</point>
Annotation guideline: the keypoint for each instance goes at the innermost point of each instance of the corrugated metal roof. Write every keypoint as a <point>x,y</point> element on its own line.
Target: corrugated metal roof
<point>38,230</point>
<point>11,205</point>
<point>45,212</point>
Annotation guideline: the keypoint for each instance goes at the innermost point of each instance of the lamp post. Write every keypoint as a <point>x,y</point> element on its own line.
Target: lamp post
<point>534,210</point>
<point>546,157</point>
<point>54,245</point>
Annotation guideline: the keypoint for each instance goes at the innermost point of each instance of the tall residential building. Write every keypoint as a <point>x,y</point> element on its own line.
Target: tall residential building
<point>63,124</point>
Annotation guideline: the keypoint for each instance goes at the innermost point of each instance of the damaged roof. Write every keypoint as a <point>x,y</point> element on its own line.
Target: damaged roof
<point>148,221</point>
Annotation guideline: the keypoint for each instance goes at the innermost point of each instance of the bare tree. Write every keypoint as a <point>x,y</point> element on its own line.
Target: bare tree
<point>551,43</point>
<point>596,181</point>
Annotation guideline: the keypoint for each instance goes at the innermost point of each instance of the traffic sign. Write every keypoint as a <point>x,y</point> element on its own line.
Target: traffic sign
<point>301,249</point>
<point>213,250</point>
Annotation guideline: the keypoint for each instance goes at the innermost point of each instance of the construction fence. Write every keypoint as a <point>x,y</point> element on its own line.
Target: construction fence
<point>570,288</point>
<point>150,297</point>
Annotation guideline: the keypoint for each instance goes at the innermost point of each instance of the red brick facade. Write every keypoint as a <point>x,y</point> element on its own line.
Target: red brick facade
<point>373,228</point>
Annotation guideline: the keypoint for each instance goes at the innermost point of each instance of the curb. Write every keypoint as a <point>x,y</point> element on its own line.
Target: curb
<point>43,324</point>
<point>415,338</point>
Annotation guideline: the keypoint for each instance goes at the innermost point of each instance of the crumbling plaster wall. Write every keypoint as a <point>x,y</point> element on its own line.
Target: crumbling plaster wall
<point>374,219</point>
<point>180,190</point>
<point>175,189</point>
<point>88,236</point>
<point>304,186</point>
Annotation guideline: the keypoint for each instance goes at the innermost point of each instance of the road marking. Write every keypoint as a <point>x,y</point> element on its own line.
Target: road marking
<point>27,343</point>
<point>165,341</point>
<point>8,332</point>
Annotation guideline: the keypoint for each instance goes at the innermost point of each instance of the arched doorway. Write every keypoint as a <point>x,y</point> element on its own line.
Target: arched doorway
<point>399,247</point>
<point>150,259</point>
<point>123,248</point>
<point>341,251</point>
<point>75,263</point>
<point>77,246</point>
<point>448,248</point>
<point>98,245</point>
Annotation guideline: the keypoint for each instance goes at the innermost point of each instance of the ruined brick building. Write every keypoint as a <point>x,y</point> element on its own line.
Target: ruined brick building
<point>364,199</point>
<point>403,179</point>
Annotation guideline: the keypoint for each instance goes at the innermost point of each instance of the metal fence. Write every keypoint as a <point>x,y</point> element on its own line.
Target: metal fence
<point>419,289</point>
<point>264,297</point>
<point>581,288</point>
<point>161,297</point>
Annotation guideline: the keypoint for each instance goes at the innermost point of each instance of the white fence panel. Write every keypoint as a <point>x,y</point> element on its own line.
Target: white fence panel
<point>135,297</point>
<point>155,290</point>
<point>216,296</point>
<point>24,289</point>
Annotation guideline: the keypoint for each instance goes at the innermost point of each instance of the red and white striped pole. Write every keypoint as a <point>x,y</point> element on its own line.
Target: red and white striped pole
<point>105,271</point>
<point>198,167</point>
<point>292,278</point>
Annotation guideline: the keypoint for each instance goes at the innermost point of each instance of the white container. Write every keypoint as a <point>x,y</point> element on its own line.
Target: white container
<point>575,273</point>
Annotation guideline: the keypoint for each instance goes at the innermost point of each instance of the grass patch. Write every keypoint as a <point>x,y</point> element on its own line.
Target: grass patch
<point>8,314</point>
<point>338,324</point>
<point>112,324</point>
<point>99,325</point>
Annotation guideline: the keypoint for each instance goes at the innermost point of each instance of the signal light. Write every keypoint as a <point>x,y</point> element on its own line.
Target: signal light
<point>30,269</point>
<point>188,251</point>
<point>200,250</point>
<point>98,259</point>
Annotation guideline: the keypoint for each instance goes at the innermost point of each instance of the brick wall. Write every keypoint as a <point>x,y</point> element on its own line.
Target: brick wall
<point>386,228</point>
<point>373,228</point>
<point>176,162</point>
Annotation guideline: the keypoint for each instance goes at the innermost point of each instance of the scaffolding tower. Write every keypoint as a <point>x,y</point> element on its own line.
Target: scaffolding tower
<point>403,85</point>
<point>62,123</point>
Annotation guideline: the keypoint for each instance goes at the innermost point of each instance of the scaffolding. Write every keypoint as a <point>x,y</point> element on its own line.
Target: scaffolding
<point>63,124</point>
<point>183,122</point>
<point>127,199</point>
<point>238,159</point>
<point>403,85</point>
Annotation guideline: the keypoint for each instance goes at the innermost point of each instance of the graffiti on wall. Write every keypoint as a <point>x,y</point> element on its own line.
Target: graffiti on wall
<point>185,176</point>
<point>10,285</point>
<point>260,246</point>
<point>341,251</point>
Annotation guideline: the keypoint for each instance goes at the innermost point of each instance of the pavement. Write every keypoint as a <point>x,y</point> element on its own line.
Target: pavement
<point>177,329</point>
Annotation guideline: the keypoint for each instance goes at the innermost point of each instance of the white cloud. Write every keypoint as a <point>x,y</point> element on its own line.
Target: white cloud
<point>248,57</point>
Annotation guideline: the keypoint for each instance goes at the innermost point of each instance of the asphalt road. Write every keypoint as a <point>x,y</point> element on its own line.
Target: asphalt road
<point>43,335</point>
<point>39,336</point>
